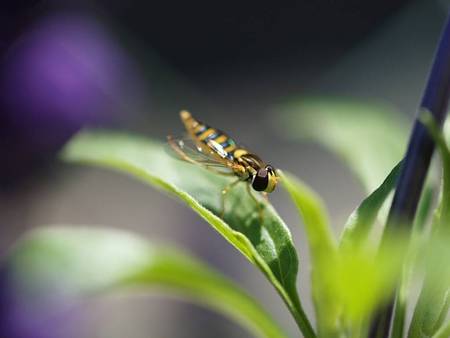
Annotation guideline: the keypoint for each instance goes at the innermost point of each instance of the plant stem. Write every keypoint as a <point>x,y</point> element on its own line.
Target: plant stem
<point>295,308</point>
<point>417,161</point>
<point>303,323</point>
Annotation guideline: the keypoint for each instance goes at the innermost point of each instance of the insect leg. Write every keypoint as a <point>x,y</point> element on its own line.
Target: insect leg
<point>224,194</point>
<point>257,202</point>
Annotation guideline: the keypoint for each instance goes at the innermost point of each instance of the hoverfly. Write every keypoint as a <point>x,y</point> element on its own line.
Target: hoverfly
<point>217,152</point>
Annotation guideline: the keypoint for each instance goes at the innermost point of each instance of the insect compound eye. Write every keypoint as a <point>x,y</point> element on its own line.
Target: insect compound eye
<point>272,179</point>
<point>260,180</point>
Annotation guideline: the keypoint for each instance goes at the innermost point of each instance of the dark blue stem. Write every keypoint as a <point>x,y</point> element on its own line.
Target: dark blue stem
<point>417,159</point>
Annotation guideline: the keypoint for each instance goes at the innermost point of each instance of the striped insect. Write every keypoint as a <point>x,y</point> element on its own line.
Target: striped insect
<point>217,152</point>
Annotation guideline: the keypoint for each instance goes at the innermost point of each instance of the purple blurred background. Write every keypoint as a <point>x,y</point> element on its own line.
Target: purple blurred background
<point>133,65</point>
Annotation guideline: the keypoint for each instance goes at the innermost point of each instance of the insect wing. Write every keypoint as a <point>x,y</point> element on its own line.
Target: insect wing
<point>187,150</point>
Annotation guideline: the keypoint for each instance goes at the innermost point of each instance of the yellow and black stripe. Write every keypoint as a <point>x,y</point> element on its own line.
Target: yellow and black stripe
<point>204,133</point>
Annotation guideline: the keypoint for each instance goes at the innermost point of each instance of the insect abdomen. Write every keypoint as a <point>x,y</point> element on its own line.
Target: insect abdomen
<point>197,129</point>
<point>223,144</point>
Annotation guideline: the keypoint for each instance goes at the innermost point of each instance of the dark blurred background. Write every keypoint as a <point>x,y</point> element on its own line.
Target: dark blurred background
<point>133,65</point>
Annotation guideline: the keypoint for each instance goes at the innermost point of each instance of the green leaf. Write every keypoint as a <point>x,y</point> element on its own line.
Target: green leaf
<point>434,300</point>
<point>80,262</point>
<point>364,278</point>
<point>322,250</point>
<point>370,138</point>
<point>443,332</point>
<point>268,245</point>
<point>417,238</point>
<point>360,222</point>
<point>433,304</point>
<point>427,119</point>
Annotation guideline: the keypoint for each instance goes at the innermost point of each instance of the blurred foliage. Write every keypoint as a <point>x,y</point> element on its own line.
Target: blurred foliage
<point>362,219</point>
<point>350,281</point>
<point>370,138</point>
<point>443,332</point>
<point>425,208</point>
<point>364,278</point>
<point>82,261</point>
<point>355,131</point>
<point>322,250</point>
